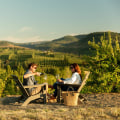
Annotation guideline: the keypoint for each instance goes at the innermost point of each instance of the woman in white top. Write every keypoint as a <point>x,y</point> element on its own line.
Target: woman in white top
<point>75,78</point>
<point>76,75</point>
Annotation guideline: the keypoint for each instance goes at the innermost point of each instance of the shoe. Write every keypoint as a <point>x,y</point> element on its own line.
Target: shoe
<point>52,97</point>
<point>52,100</point>
<point>49,96</point>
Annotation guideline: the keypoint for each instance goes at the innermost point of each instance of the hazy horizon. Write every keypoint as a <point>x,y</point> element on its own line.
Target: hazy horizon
<point>55,38</point>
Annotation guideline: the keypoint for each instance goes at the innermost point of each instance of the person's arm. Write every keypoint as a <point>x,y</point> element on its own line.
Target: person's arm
<point>31,74</point>
<point>70,80</point>
<point>59,80</point>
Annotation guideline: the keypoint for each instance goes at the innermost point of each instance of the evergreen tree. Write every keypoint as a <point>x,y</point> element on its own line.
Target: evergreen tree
<point>105,66</point>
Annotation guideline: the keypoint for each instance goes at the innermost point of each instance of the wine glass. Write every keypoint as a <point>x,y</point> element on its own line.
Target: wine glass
<point>45,77</point>
<point>57,76</point>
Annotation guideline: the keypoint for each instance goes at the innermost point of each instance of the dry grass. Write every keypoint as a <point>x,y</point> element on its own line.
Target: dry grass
<point>98,107</point>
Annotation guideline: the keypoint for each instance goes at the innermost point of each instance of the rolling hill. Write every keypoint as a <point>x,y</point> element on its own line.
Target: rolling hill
<point>73,44</point>
<point>68,44</point>
<point>7,44</point>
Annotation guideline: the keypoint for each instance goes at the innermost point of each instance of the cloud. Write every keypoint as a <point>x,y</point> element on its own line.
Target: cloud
<point>22,40</point>
<point>25,29</point>
<point>74,34</point>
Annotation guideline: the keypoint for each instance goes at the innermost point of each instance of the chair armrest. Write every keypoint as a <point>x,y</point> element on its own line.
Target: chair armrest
<point>74,85</point>
<point>31,86</point>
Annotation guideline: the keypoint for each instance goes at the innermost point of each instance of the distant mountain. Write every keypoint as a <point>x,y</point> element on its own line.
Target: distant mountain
<point>7,44</point>
<point>73,44</point>
<point>69,44</point>
<point>83,44</point>
<point>52,45</point>
<point>30,44</point>
<point>59,44</point>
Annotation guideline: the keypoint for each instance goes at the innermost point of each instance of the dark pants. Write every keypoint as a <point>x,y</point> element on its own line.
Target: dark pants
<point>63,88</point>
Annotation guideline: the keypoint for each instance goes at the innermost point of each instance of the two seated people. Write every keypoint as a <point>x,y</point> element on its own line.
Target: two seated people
<point>29,79</point>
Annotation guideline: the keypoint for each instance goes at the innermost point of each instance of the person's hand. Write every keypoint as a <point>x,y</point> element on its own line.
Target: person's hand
<point>37,73</point>
<point>41,73</point>
<point>59,80</point>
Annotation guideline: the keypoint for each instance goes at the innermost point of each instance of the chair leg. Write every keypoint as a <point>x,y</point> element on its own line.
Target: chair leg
<point>81,98</point>
<point>58,93</point>
<point>44,98</point>
<point>79,101</point>
<point>29,99</point>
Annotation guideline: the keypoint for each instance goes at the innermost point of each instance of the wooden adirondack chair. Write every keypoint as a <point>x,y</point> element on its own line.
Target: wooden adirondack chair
<point>79,86</point>
<point>28,98</point>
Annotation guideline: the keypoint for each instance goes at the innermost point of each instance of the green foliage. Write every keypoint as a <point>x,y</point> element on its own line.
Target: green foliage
<point>65,72</point>
<point>15,61</point>
<point>105,66</point>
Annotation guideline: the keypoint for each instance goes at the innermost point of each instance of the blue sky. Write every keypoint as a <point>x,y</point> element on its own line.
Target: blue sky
<point>38,20</point>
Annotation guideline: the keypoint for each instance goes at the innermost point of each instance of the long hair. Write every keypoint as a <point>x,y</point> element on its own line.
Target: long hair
<point>77,68</point>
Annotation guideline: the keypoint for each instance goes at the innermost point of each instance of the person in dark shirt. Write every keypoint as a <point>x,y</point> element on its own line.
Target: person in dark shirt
<point>29,79</point>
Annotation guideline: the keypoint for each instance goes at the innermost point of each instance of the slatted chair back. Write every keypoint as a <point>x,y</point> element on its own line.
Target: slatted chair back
<point>84,81</point>
<point>20,85</point>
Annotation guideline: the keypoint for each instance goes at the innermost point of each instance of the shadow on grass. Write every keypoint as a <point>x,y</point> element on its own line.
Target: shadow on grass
<point>9,100</point>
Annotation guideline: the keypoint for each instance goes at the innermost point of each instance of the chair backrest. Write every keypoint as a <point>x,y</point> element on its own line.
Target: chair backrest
<point>20,85</point>
<point>84,81</point>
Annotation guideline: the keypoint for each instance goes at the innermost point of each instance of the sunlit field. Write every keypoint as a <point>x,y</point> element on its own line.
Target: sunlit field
<point>98,106</point>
